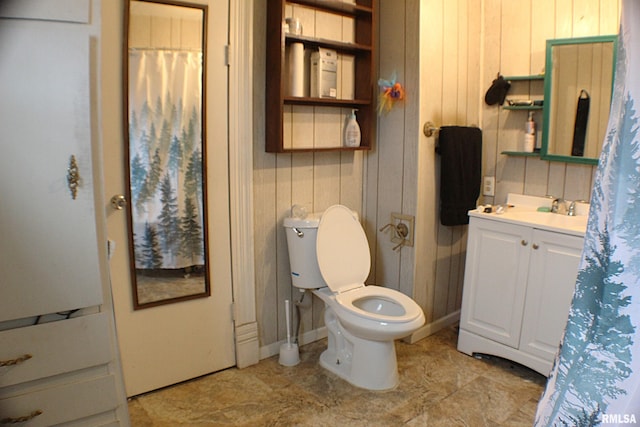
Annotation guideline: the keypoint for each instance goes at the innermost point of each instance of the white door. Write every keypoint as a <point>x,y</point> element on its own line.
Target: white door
<point>166,344</point>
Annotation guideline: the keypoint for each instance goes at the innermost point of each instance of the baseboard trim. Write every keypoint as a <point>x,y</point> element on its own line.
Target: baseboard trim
<point>433,327</point>
<point>247,345</point>
<point>306,338</point>
<point>273,349</point>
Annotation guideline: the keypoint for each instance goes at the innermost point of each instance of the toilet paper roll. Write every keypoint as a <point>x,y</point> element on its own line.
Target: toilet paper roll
<point>296,69</point>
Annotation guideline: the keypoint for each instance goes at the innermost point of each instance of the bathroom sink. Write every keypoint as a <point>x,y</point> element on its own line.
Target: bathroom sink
<point>523,211</point>
<point>550,220</point>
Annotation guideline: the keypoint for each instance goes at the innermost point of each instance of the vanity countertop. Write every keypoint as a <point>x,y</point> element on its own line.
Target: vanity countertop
<point>522,210</point>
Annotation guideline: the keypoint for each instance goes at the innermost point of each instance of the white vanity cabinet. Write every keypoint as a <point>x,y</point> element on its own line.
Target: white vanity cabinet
<point>518,285</point>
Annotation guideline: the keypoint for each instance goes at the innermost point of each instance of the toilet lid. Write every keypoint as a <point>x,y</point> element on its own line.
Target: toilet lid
<point>342,249</point>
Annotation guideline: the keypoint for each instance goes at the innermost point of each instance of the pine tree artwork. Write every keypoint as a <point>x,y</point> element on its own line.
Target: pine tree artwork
<point>191,231</point>
<point>151,255</point>
<point>165,159</point>
<point>169,219</point>
<point>175,156</point>
<point>596,376</point>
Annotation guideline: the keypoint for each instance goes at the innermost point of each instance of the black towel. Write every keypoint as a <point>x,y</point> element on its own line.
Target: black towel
<point>460,151</point>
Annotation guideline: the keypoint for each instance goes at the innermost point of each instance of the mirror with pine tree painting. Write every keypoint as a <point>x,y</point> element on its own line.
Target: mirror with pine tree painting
<point>164,91</point>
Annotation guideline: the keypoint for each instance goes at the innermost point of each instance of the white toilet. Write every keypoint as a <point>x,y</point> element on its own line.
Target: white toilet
<point>329,254</point>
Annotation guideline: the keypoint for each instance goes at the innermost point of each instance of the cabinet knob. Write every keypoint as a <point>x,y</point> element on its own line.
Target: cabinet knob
<point>535,246</point>
<point>524,242</point>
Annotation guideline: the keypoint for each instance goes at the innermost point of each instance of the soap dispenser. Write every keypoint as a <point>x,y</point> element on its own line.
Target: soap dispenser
<point>352,131</point>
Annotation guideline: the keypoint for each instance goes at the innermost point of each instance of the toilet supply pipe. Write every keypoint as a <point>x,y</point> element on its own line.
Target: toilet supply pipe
<point>298,303</point>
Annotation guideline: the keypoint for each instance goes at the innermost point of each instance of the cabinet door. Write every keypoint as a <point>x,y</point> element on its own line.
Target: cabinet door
<point>48,248</point>
<point>551,282</point>
<point>495,280</point>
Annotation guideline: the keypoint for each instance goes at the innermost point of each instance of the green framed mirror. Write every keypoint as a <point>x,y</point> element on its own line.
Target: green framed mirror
<point>577,97</point>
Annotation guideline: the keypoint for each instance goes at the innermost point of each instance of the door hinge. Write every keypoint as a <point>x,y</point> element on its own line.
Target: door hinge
<point>227,55</point>
<point>234,315</point>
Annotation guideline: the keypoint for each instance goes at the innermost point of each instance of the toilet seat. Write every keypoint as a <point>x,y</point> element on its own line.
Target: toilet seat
<point>411,310</point>
<point>344,260</point>
<point>342,250</point>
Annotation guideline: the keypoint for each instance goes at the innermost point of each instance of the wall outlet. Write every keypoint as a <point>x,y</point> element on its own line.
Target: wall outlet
<point>489,186</point>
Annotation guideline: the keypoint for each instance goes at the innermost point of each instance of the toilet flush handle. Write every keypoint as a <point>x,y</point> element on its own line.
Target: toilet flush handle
<point>298,232</point>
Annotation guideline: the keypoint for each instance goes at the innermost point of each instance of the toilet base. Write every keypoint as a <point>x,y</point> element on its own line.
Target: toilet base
<point>372,365</point>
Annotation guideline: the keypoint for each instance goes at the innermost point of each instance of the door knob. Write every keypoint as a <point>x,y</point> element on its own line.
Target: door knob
<point>118,202</point>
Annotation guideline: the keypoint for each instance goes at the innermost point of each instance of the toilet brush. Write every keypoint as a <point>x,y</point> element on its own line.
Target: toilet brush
<point>288,351</point>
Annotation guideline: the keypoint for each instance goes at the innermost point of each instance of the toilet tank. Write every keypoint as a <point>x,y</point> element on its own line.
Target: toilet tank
<point>301,241</point>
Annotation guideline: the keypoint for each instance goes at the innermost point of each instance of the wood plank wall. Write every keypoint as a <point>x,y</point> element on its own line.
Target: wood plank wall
<point>446,53</point>
<point>463,45</point>
<point>514,44</point>
<point>434,48</point>
<point>313,180</point>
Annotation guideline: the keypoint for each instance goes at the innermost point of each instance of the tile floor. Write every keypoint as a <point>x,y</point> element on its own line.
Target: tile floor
<point>439,386</point>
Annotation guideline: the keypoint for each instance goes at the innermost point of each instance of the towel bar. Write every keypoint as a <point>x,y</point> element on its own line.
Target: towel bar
<point>429,129</point>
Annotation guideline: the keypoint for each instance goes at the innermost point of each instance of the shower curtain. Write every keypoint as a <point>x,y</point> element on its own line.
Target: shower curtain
<point>165,156</point>
<point>596,376</point>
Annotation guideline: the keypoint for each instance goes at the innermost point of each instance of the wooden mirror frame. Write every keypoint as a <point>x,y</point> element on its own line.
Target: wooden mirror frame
<point>206,291</point>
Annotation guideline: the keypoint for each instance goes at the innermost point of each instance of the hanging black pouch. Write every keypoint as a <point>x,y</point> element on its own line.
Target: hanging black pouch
<point>580,129</point>
<point>498,91</point>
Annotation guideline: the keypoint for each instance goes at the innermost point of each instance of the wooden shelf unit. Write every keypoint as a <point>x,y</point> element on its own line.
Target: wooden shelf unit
<point>363,51</point>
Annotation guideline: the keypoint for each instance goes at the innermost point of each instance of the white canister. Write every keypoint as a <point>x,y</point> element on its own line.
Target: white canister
<point>295,26</point>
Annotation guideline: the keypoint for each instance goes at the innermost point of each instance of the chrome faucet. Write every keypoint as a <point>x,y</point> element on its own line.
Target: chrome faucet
<point>559,206</point>
<point>572,209</point>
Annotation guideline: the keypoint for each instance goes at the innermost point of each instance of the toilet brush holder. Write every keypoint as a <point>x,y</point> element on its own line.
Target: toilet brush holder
<point>289,355</point>
<point>288,351</point>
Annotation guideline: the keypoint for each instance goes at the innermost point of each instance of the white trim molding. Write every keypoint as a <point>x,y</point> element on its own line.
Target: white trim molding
<point>240,180</point>
<point>433,327</point>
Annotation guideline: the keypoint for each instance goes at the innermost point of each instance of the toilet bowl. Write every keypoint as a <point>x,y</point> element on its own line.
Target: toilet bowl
<point>329,254</point>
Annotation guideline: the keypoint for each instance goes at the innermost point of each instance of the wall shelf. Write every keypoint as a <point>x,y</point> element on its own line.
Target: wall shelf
<point>521,153</point>
<point>522,107</point>
<point>337,6</point>
<point>525,78</point>
<point>312,42</point>
<point>361,48</point>
<point>326,102</point>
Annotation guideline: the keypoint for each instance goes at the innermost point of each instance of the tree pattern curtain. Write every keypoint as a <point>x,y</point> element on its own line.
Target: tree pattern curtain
<point>165,152</point>
<point>596,377</point>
